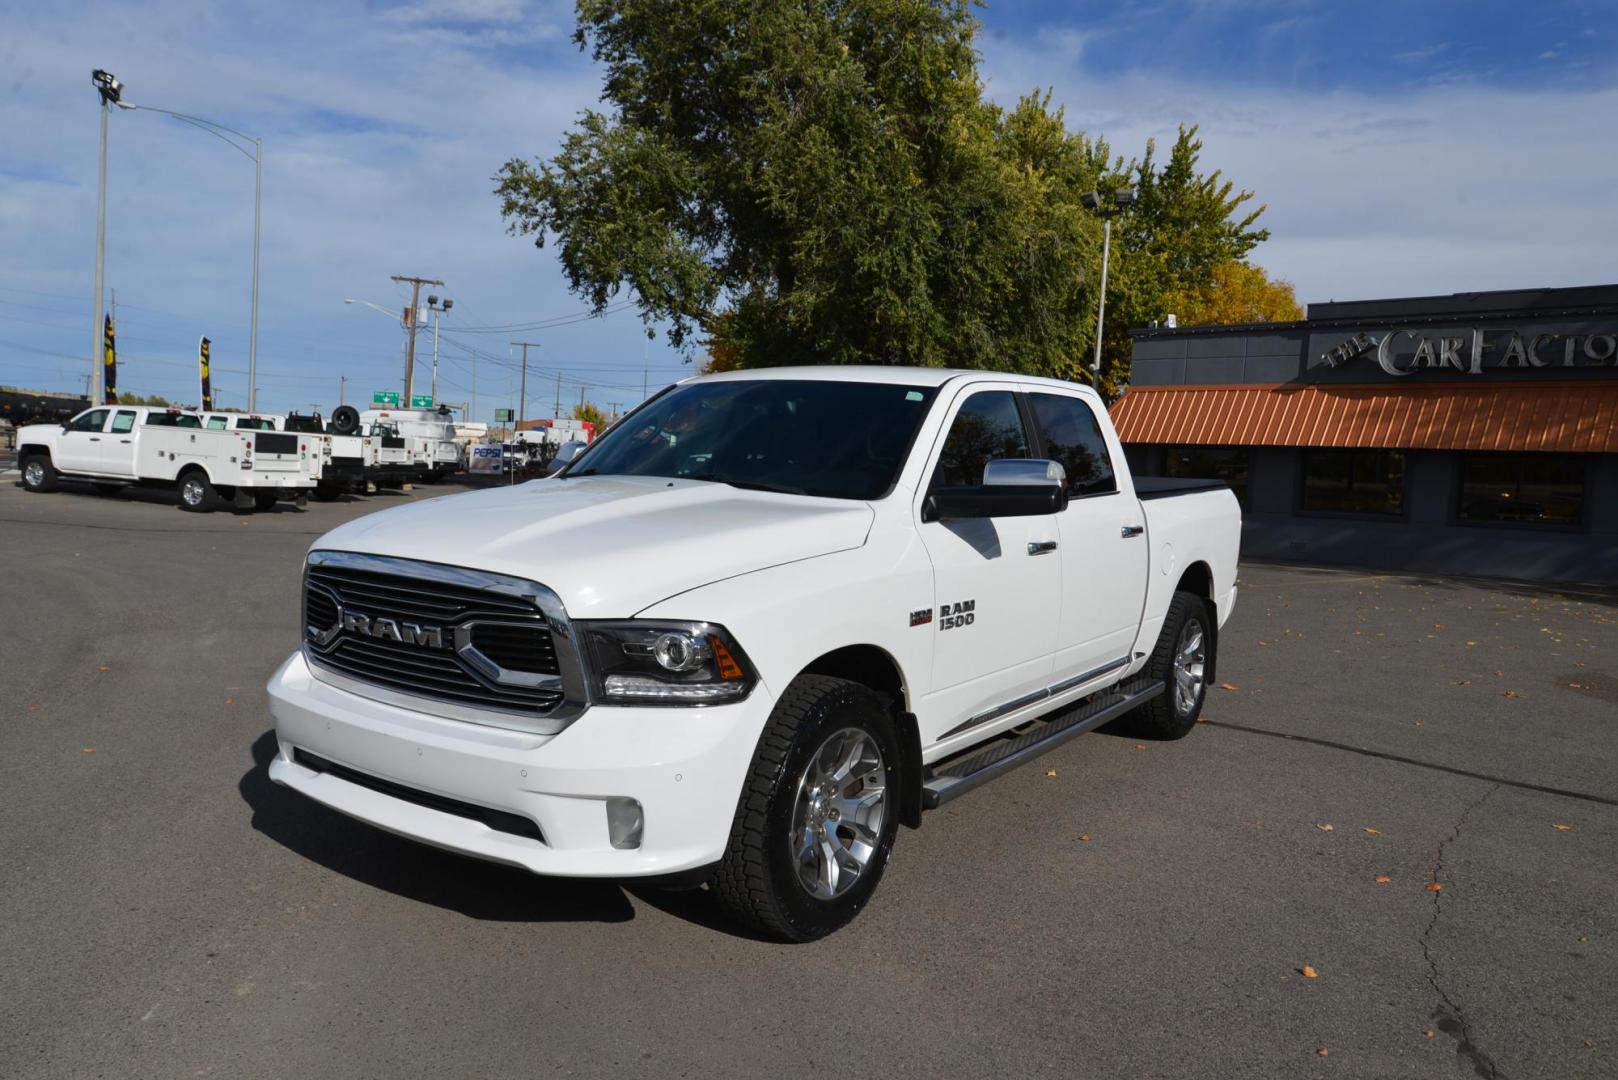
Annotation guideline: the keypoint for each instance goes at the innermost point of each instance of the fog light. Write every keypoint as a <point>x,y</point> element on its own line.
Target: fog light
<point>624,822</point>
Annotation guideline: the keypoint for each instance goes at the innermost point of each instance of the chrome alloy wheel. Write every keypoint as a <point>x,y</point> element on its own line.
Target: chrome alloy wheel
<point>33,473</point>
<point>191,491</point>
<point>1190,662</point>
<point>837,819</point>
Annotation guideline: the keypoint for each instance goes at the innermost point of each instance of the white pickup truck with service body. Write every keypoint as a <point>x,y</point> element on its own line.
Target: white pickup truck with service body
<point>118,445</point>
<point>429,434</point>
<point>764,620</point>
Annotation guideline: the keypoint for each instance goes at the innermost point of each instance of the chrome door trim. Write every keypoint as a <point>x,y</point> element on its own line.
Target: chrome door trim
<point>1037,696</point>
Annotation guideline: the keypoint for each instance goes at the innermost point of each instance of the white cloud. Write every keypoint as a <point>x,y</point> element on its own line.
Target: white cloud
<point>1448,188</point>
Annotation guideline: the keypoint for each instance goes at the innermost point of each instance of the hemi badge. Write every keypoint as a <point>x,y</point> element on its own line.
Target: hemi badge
<point>922,617</point>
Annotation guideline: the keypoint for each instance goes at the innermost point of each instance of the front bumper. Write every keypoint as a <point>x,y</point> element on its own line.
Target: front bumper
<point>684,766</point>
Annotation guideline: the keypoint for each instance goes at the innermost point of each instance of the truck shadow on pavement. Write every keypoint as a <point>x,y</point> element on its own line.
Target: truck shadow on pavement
<point>476,889</point>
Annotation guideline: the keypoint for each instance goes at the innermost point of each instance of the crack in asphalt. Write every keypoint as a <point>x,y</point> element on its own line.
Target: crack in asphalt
<point>1450,1019</point>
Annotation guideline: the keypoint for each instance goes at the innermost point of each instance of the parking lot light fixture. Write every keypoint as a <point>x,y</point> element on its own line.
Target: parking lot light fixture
<point>112,92</point>
<point>1122,200</point>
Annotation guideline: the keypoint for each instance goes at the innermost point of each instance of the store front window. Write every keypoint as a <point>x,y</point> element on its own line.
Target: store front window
<point>1227,463</point>
<point>1522,489</point>
<point>1354,481</point>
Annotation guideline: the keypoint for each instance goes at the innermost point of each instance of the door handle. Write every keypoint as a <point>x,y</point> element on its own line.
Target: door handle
<point>1132,530</point>
<point>95,438</point>
<point>1041,547</point>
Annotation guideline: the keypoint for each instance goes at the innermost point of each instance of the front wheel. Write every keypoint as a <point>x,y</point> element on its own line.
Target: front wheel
<point>38,474</point>
<point>818,812</point>
<point>196,492</point>
<point>1182,660</point>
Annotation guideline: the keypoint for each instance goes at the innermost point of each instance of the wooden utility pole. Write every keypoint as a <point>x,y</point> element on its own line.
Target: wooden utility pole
<point>415,306</point>
<point>522,392</point>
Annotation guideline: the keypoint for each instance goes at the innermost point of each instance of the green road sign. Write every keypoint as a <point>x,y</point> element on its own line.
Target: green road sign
<point>421,401</point>
<point>504,416</point>
<point>385,397</point>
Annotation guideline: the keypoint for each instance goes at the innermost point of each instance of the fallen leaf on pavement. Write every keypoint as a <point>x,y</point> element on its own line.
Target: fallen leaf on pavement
<point>1429,1033</point>
<point>1559,827</point>
<point>1084,838</point>
<point>1433,886</point>
<point>1308,972</point>
<point>89,750</point>
<point>1383,879</point>
<point>103,667</point>
<point>1324,826</point>
<point>1050,772</point>
<point>1575,686</point>
<point>230,701</point>
<point>1323,1051</point>
<point>1228,686</point>
<point>1140,746</point>
<point>1373,832</point>
<point>1508,693</point>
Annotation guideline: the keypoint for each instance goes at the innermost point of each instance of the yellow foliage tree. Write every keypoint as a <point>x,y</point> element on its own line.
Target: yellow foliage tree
<point>1239,293</point>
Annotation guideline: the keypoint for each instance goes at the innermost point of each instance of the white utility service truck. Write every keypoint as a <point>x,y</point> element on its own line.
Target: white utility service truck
<point>763,621</point>
<point>117,445</point>
<point>429,434</point>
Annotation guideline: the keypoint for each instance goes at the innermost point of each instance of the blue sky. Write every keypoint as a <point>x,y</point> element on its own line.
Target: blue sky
<point>1401,148</point>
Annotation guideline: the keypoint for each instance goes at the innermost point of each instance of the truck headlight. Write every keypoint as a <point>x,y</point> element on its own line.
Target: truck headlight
<point>665,663</point>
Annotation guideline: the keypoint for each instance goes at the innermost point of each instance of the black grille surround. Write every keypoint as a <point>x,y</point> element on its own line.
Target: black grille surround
<point>460,643</point>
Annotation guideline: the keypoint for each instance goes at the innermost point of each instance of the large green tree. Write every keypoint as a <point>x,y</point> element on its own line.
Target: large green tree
<point>822,181</point>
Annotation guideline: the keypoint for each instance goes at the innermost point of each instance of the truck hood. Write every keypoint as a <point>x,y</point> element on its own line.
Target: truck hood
<point>611,546</point>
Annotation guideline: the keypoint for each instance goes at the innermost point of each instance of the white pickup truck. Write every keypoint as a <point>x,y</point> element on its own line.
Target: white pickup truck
<point>764,620</point>
<point>117,445</point>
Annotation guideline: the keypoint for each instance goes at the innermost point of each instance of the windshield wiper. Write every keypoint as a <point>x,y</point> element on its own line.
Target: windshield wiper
<point>748,485</point>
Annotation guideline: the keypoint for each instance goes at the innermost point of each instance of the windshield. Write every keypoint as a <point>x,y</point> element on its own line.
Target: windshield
<point>844,440</point>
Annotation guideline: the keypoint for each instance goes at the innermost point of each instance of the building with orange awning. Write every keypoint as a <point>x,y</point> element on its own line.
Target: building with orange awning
<point>1473,434</point>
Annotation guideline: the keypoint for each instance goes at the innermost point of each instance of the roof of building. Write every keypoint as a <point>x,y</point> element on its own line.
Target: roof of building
<point>1575,417</point>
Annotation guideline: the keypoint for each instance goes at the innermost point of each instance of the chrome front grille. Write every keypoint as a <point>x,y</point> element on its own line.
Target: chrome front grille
<point>462,643</point>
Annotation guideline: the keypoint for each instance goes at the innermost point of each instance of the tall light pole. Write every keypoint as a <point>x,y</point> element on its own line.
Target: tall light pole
<point>231,138</point>
<point>438,308</point>
<point>111,90</point>
<point>1122,200</point>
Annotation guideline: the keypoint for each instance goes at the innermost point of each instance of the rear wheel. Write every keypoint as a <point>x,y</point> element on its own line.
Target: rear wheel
<point>1182,659</point>
<point>196,492</point>
<point>818,812</point>
<point>38,474</point>
<point>265,500</point>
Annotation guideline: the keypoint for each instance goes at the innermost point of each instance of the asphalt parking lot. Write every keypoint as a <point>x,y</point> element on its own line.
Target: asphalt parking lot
<point>1214,907</point>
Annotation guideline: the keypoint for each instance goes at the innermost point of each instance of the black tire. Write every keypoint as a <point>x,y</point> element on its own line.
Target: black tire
<point>264,501</point>
<point>108,489</point>
<point>1172,714</point>
<point>38,474</point>
<point>758,880</point>
<point>196,492</point>
<point>324,493</point>
<point>345,420</point>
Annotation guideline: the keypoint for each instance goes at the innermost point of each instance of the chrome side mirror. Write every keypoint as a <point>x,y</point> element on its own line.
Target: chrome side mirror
<point>1024,472</point>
